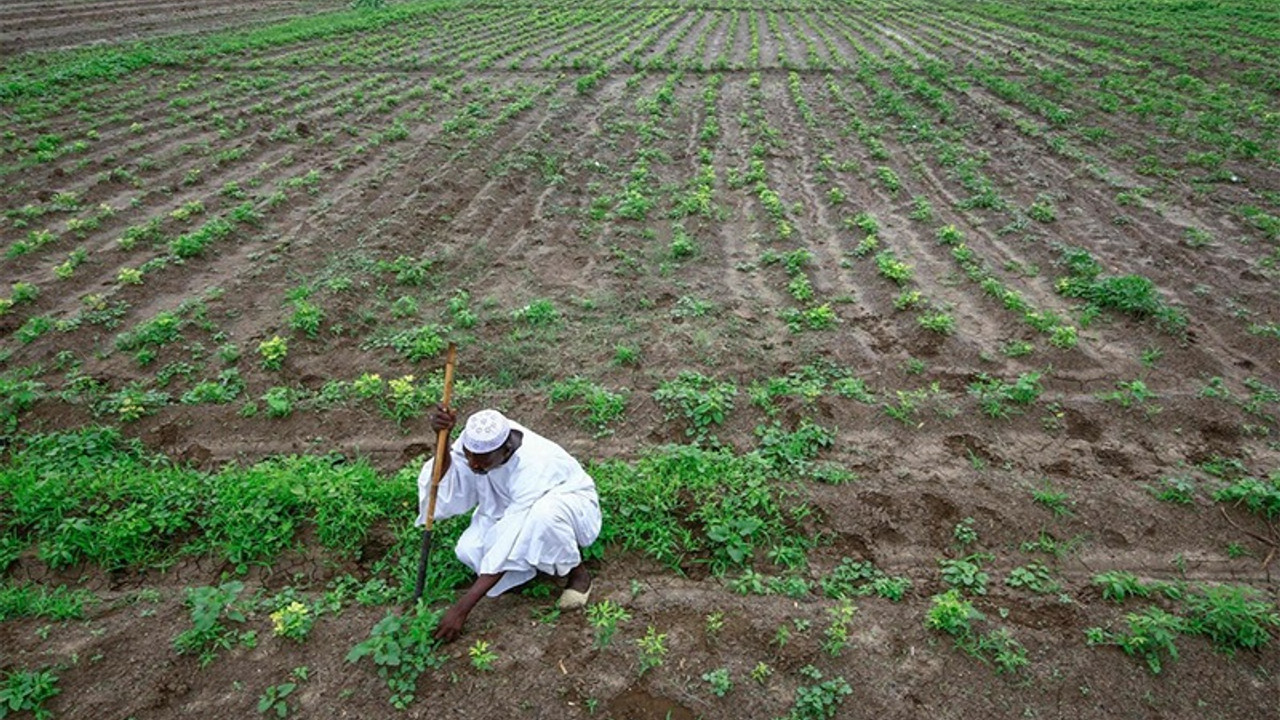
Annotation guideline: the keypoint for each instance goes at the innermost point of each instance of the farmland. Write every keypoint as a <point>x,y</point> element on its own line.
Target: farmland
<point>926,354</point>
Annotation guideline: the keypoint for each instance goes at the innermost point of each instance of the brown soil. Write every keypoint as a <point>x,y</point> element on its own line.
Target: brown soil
<point>507,217</point>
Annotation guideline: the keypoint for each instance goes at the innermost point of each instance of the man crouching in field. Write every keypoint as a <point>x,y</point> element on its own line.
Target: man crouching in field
<point>535,508</point>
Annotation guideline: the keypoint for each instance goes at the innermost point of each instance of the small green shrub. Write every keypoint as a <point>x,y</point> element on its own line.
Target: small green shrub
<point>27,691</point>
<point>307,318</point>
<point>604,616</point>
<point>1232,617</point>
<point>820,701</point>
<point>889,266</point>
<point>402,647</point>
<point>652,649</point>
<point>719,680</point>
<point>966,573</point>
<point>701,401</point>
<point>210,607</point>
<point>539,313</point>
<point>1118,585</point>
<point>293,621</point>
<point>598,406</point>
<point>1259,496</point>
<point>1150,635</point>
<point>995,395</point>
<point>273,352</point>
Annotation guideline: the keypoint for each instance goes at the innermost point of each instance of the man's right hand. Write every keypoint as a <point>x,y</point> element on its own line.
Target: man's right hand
<point>451,623</point>
<point>442,419</point>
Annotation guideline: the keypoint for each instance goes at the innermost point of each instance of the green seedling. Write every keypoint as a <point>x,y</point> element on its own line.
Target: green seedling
<point>652,649</point>
<point>274,699</point>
<point>604,616</point>
<point>482,658</point>
<point>719,680</point>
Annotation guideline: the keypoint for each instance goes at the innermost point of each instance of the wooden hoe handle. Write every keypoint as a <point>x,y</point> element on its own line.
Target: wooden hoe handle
<point>442,447</point>
<point>442,437</point>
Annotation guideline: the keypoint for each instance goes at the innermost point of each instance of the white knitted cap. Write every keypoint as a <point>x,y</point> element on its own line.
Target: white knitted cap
<point>485,431</point>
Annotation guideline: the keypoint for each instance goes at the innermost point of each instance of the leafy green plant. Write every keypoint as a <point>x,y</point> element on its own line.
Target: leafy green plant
<point>210,606</point>
<point>1002,650</point>
<point>604,616</point>
<point>23,293</point>
<point>293,621</point>
<point>938,321</point>
<point>1056,501</point>
<point>402,648</point>
<point>403,400</point>
<point>837,631</point>
<point>956,616</point>
<point>1129,394</point>
<point>889,179</point>
<point>818,317</point>
<point>307,318</point>
<point>415,344</point>
<point>952,613</point>
<point>714,623</point>
<point>892,588</point>
<point>1017,348</point>
<point>539,313</point>
<point>853,578</point>
<point>1175,489</point>
<point>601,407</point>
<point>274,698</point>
<point>866,246</point>
<point>34,327</point>
<point>1259,496</point>
<point>1118,585</point>
<point>224,390</point>
<point>1046,543</point>
<point>1150,635</point>
<point>133,402</point>
<point>719,680</point>
<point>1132,294</point>
<point>921,209</point>
<point>482,658</point>
<point>683,245</point>
<point>1043,210</point>
<point>1232,617</point>
<point>906,407</point>
<point>279,401</point>
<point>889,266</point>
<point>27,691</point>
<point>626,355</point>
<point>652,649</point>
<point>700,400</point>
<point>408,271</point>
<point>273,352</point>
<point>686,500</point>
<point>792,452</point>
<point>460,310</point>
<point>966,573</point>
<point>964,533</point>
<point>17,395</point>
<point>35,600</point>
<point>821,700</point>
<point>1033,576</point>
<point>995,395</point>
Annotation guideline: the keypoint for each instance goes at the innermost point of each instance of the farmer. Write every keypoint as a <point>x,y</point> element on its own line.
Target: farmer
<point>535,507</point>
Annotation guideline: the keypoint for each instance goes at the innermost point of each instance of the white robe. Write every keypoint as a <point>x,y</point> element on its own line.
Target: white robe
<point>532,514</point>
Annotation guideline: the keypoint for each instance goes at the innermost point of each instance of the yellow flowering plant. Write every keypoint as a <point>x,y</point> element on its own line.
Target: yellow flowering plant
<point>293,621</point>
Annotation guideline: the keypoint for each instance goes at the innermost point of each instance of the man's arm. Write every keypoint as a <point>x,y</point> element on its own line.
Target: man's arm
<point>455,617</point>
